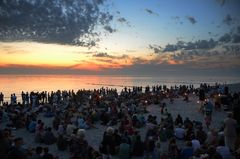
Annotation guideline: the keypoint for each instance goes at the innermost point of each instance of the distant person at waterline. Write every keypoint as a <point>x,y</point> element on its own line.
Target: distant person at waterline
<point>13,99</point>
<point>1,98</point>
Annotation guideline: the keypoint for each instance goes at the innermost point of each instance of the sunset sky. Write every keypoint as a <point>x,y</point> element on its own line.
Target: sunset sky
<point>139,37</point>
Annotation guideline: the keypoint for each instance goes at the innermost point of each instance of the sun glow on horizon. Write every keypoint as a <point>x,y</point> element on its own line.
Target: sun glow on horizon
<point>55,56</point>
<point>38,54</point>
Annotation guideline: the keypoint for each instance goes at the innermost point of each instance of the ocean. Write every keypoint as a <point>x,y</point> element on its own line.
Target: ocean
<point>17,83</point>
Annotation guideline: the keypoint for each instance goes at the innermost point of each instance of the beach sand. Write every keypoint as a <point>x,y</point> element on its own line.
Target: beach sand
<point>94,136</point>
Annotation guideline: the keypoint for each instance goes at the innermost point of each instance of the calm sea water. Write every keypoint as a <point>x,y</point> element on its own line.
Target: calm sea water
<point>16,83</point>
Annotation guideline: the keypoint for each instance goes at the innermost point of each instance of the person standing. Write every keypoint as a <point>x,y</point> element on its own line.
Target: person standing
<point>230,131</point>
<point>1,98</point>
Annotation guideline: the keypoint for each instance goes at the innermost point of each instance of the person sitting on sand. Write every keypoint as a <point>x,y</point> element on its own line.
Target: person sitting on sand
<point>212,137</point>
<point>149,147</point>
<point>141,119</point>
<point>223,150</point>
<point>138,147</point>
<point>5,143</point>
<point>17,152</point>
<point>187,122</point>
<point>208,119</point>
<point>49,138</point>
<point>179,132</point>
<point>178,120</point>
<point>108,143</point>
<point>124,150</point>
<point>46,154</point>
<point>195,143</point>
<point>82,123</point>
<point>78,145</point>
<point>37,154</point>
<point>5,117</point>
<point>32,125</point>
<point>61,143</point>
<point>70,128</point>
<point>61,130</point>
<point>187,151</point>
<point>56,122</point>
<point>201,135</point>
<point>188,133</point>
<point>173,150</point>
<point>39,131</point>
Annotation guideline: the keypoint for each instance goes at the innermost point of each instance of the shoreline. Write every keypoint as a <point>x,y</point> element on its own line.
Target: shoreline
<point>233,87</point>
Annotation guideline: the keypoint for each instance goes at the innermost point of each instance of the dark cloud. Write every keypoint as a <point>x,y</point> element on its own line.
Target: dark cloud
<point>202,54</point>
<point>110,61</point>
<point>228,19</point>
<point>236,38</point>
<point>232,37</point>
<point>181,45</point>
<point>179,38</point>
<point>109,29</point>
<point>102,54</point>
<point>238,30</point>
<point>225,38</point>
<point>191,19</point>
<point>199,44</point>
<point>232,49</point>
<point>105,18</point>
<point>155,48</point>
<point>149,11</point>
<point>139,60</point>
<point>170,48</point>
<point>84,52</point>
<point>106,55</point>
<point>205,44</point>
<point>53,21</point>
<point>123,21</point>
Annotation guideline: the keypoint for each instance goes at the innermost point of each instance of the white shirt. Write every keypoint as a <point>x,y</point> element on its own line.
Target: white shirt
<point>195,144</point>
<point>179,133</point>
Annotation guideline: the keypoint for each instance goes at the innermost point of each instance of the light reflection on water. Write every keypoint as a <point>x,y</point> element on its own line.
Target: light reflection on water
<point>17,83</point>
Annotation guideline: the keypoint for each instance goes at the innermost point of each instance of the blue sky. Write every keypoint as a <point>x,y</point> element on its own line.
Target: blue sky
<point>169,20</point>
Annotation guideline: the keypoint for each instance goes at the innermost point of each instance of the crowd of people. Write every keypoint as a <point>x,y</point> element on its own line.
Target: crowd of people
<point>123,114</point>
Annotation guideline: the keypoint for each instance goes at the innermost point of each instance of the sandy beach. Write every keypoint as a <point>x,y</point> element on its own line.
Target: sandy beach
<point>94,135</point>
